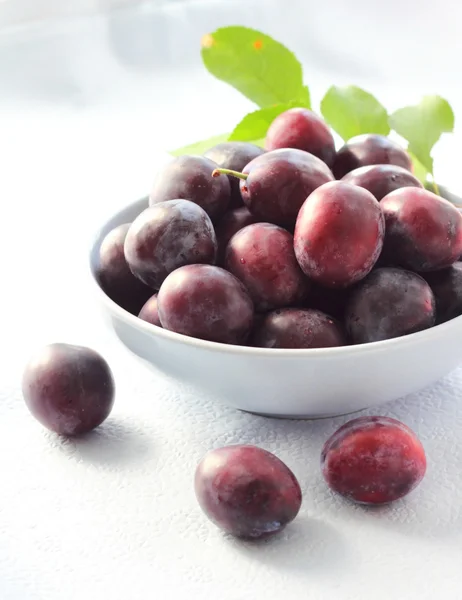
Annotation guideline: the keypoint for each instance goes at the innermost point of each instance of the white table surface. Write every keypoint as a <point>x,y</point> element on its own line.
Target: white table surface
<point>85,107</point>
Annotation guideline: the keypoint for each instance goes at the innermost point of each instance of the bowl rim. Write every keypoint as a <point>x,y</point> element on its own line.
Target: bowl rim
<point>432,333</point>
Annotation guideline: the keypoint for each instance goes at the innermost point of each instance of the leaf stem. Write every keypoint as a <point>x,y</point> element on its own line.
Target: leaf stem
<point>435,187</point>
<point>218,172</point>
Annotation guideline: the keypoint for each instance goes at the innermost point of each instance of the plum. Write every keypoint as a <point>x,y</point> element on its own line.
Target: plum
<point>190,177</point>
<point>68,389</point>
<point>276,184</point>
<point>150,312</point>
<point>232,222</point>
<point>262,257</point>
<point>206,302</point>
<point>247,491</point>
<point>389,303</point>
<point>446,286</point>
<point>369,149</point>
<point>235,156</point>
<point>114,275</point>
<point>423,231</point>
<point>373,460</point>
<point>298,328</point>
<point>303,129</point>
<point>339,234</point>
<point>380,180</point>
<point>166,236</point>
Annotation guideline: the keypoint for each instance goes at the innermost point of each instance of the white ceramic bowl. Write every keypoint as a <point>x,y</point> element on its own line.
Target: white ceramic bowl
<point>286,383</point>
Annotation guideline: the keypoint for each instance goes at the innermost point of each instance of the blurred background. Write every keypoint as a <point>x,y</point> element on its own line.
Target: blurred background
<point>91,91</point>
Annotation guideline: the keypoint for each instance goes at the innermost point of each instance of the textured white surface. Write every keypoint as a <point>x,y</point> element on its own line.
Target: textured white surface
<point>113,516</point>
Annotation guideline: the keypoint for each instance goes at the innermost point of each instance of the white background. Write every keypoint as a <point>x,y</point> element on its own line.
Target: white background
<point>14,12</point>
<point>86,106</point>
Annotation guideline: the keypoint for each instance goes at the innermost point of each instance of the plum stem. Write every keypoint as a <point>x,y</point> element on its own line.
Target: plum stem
<point>218,172</point>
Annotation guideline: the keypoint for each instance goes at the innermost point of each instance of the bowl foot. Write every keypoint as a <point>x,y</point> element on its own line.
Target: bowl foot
<point>304,417</point>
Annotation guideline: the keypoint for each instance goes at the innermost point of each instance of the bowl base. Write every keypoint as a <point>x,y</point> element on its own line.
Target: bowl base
<point>304,417</point>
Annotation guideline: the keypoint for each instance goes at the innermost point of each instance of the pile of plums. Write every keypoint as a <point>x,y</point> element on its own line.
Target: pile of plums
<point>294,246</point>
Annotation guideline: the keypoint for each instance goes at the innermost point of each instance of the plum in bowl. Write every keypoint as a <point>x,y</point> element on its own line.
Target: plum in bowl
<point>299,383</point>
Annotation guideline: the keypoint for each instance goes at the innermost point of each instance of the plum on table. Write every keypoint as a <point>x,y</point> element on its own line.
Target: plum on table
<point>247,491</point>
<point>68,389</point>
<point>373,460</point>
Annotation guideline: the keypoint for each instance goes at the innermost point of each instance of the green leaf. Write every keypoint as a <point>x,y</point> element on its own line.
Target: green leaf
<point>352,111</point>
<point>422,126</point>
<point>255,124</point>
<point>259,67</point>
<point>200,147</point>
<point>259,142</point>
<point>418,169</point>
<point>304,98</point>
